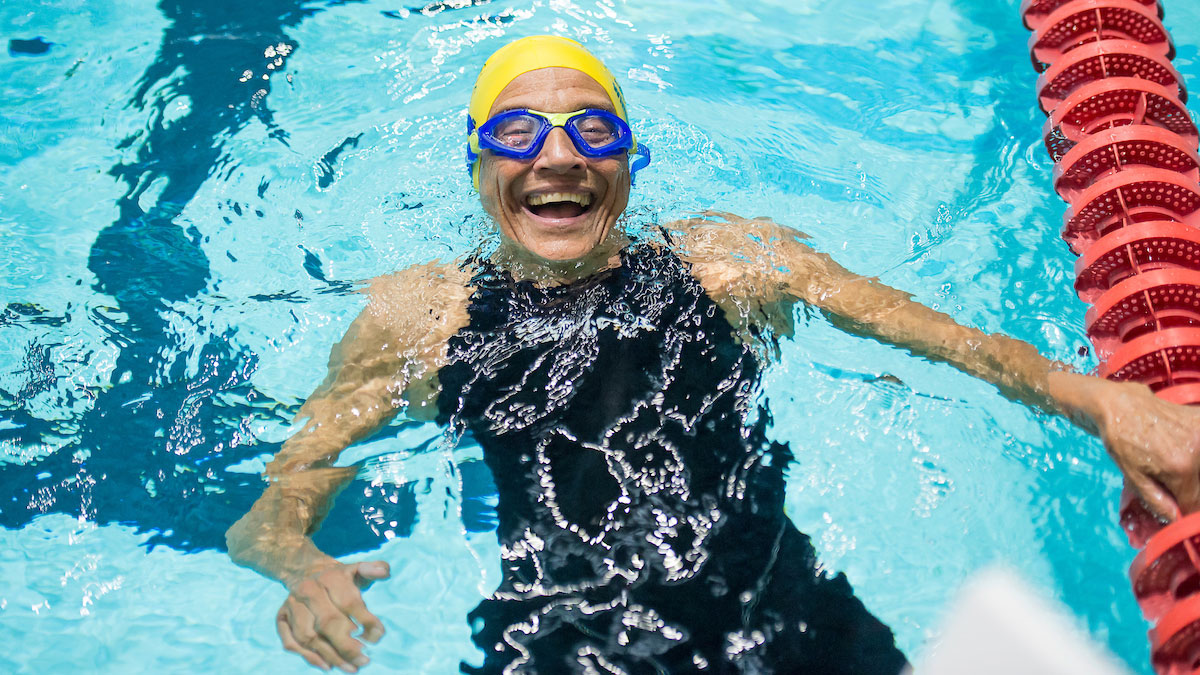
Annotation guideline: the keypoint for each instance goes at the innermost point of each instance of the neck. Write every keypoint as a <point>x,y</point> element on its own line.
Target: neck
<point>524,265</point>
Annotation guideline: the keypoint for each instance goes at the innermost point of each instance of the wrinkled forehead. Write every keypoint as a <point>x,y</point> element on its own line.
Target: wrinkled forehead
<point>553,89</point>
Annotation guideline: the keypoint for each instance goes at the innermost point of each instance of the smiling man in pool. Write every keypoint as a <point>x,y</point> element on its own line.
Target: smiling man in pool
<point>612,386</point>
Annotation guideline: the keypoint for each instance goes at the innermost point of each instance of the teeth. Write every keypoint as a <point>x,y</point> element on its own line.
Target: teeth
<point>580,199</point>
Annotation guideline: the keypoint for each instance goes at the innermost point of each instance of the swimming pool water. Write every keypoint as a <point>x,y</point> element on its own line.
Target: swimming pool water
<point>191,191</point>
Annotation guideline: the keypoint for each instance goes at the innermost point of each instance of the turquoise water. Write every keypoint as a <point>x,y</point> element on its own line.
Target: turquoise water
<point>190,192</point>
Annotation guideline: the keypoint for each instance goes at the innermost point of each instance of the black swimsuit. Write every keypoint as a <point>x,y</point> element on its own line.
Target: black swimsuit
<point>640,503</point>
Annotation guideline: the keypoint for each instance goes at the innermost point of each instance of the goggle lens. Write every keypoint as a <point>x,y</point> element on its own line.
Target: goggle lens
<point>520,133</point>
<point>517,132</point>
<point>595,130</point>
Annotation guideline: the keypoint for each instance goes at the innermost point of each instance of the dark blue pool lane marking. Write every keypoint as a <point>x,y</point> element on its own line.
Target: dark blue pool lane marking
<point>32,47</point>
<point>154,449</point>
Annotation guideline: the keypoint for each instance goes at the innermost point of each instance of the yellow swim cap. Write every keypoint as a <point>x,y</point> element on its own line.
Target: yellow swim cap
<point>534,53</point>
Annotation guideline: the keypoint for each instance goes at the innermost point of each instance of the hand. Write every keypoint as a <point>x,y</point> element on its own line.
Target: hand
<point>319,615</point>
<point>1155,443</point>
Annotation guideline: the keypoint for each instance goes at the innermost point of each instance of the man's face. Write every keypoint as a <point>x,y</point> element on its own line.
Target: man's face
<point>559,205</point>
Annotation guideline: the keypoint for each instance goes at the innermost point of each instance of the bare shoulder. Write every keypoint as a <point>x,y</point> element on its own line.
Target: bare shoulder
<point>398,342</point>
<point>748,266</point>
<point>745,259</point>
<point>421,304</point>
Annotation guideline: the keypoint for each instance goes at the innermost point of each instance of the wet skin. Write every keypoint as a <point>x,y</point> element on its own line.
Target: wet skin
<point>540,238</point>
<point>756,270</point>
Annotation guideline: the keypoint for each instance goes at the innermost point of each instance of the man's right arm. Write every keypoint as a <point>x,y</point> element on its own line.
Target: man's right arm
<point>396,344</point>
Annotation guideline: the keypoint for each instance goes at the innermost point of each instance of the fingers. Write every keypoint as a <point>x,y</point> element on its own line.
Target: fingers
<point>318,619</point>
<point>349,602</point>
<point>1179,476</point>
<point>366,573</point>
<point>317,642</point>
<point>1183,496</point>
<point>1156,497</point>
<point>332,626</point>
<point>353,607</point>
<point>283,624</point>
<point>334,629</point>
<point>304,630</point>
<point>352,603</point>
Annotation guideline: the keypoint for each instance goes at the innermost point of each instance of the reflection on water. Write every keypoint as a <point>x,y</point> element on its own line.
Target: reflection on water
<point>179,408</point>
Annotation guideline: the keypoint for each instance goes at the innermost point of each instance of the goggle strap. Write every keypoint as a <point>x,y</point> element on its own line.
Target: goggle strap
<point>472,137</point>
<point>639,158</point>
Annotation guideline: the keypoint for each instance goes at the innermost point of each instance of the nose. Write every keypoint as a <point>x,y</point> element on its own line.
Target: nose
<point>559,154</point>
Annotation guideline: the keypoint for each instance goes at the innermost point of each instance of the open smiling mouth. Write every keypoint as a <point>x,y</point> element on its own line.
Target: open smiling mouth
<point>558,205</point>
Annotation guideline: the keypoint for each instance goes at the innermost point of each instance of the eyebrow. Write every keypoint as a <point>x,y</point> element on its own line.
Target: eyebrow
<point>606,105</point>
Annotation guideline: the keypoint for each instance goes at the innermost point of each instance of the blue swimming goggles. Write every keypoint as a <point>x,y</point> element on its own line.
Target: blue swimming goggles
<point>521,133</point>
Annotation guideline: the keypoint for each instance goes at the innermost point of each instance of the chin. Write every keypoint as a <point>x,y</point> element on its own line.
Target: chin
<point>562,251</point>
<point>557,240</point>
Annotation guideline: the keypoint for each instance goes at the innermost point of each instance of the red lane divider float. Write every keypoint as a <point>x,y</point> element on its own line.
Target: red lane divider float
<point>1126,162</point>
<point>1161,359</point>
<point>1166,580</point>
<point>1107,152</point>
<point>1035,13</point>
<point>1078,23</point>
<point>1139,248</point>
<point>1141,304</point>
<point>1168,569</point>
<point>1100,61</point>
<point>1116,102</point>
<point>1134,195</point>
<point>1173,641</point>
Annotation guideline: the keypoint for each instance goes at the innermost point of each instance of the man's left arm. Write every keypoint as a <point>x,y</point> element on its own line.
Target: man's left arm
<point>1155,443</point>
